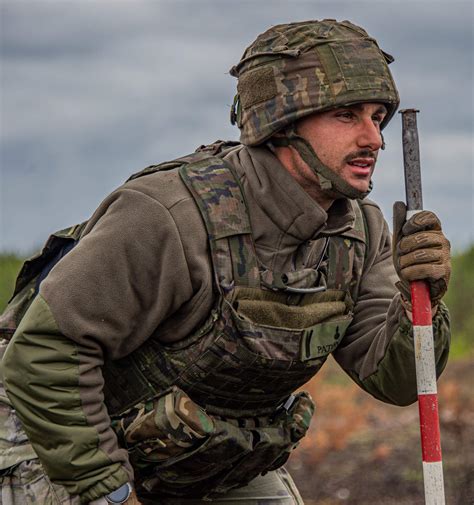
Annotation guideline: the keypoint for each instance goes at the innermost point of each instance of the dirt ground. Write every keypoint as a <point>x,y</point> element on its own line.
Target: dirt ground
<point>361,451</point>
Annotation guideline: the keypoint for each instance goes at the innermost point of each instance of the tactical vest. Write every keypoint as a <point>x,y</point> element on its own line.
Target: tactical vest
<point>267,335</point>
<point>243,362</point>
<point>211,412</point>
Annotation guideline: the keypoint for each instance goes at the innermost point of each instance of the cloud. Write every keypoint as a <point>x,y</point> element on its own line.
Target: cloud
<point>447,181</point>
<point>93,91</point>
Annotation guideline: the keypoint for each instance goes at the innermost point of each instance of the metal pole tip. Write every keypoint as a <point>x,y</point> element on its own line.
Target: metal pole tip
<point>404,111</point>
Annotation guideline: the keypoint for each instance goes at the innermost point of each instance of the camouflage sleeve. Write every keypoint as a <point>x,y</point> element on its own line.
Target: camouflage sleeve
<point>377,351</point>
<point>14,444</point>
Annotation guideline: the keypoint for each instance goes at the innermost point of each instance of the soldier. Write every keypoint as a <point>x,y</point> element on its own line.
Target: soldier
<point>160,357</point>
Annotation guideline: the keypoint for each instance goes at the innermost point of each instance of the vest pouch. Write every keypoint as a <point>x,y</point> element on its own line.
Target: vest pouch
<point>177,449</point>
<point>272,444</point>
<point>165,428</point>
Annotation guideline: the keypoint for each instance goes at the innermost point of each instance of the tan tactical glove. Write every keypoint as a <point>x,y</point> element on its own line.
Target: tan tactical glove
<point>420,252</point>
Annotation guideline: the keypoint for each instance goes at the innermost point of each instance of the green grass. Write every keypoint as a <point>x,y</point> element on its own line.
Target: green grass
<point>9,266</point>
<point>460,300</point>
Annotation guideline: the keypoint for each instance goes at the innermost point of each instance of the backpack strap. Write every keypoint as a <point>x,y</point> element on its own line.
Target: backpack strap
<point>33,271</point>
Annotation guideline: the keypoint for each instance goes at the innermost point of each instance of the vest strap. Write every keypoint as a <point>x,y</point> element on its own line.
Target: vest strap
<point>219,197</point>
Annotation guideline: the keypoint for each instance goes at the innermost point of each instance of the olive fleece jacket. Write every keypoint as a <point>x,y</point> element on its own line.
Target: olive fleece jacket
<point>142,270</point>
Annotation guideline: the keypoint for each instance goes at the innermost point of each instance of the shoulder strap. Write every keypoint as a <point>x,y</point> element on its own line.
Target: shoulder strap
<point>365,228</point>
<point>168,165</point>
<point>347,254</point>
<point>220,199</point>
<point>219,147</point>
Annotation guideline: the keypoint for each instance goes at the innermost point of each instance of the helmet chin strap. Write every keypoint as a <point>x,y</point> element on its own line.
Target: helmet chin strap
<point>331,183</point>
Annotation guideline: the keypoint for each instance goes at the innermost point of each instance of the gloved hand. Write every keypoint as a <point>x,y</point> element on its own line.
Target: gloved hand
<point>420,252</point>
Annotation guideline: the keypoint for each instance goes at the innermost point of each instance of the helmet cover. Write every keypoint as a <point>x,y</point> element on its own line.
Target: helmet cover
<point>296,69</point>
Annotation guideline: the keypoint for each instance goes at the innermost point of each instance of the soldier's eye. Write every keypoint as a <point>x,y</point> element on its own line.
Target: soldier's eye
<point>346,114</point>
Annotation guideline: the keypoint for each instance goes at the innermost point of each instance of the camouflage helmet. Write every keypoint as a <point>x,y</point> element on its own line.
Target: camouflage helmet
<point>296,69</point>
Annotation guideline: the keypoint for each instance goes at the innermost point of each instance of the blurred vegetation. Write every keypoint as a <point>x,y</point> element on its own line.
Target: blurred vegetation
<point>460,297</point>
<point>460,300</point>
<point>10,265</point>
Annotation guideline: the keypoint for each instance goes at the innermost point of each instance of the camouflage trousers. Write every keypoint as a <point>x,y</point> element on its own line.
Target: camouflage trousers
<point>274,488</point>
<point>27,484</point>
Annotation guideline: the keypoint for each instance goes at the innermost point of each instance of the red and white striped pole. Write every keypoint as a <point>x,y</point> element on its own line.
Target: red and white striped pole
<point>423,329</point>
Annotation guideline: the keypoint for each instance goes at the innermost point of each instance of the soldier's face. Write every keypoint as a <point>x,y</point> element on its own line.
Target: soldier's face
<point>347,140</point>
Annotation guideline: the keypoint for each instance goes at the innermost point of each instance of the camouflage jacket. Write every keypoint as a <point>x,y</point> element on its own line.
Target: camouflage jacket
<point>142,271</point>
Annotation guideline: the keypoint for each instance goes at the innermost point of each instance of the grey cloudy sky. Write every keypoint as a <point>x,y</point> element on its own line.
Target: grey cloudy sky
<point>92,91</point>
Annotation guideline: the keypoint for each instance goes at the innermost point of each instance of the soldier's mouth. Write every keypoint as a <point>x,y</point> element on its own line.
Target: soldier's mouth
<point>361,166</point>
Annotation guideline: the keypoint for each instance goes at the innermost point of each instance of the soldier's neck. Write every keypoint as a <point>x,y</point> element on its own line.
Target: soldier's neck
<point>303,175</point>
